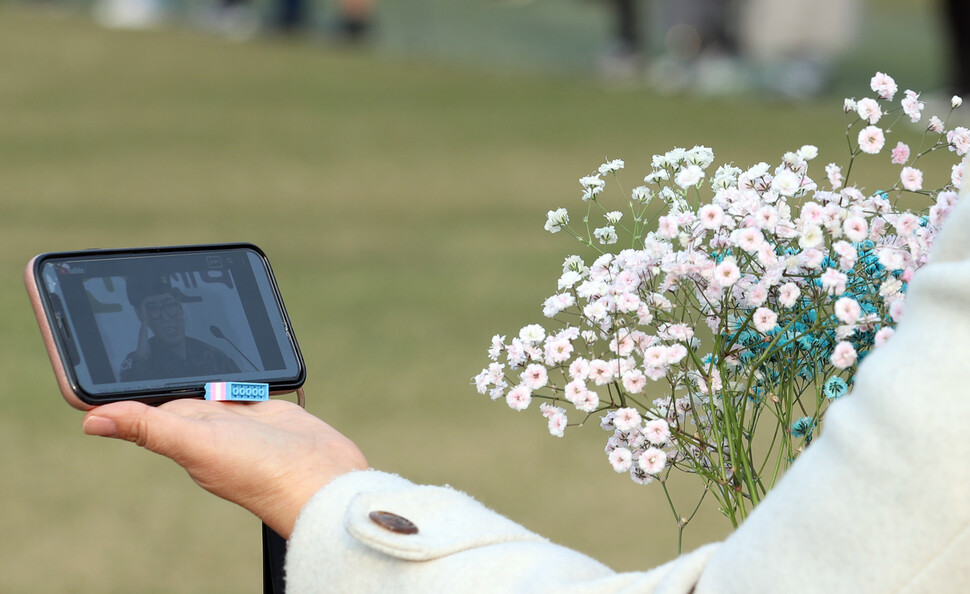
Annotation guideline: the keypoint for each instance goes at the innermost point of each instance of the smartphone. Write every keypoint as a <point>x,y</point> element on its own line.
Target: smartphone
<point>155,324</point>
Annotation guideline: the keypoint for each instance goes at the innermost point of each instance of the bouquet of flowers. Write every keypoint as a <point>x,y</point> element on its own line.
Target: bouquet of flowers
<point>719,300</point>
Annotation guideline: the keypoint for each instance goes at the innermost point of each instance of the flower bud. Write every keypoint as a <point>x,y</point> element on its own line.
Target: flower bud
<point>956,101</point>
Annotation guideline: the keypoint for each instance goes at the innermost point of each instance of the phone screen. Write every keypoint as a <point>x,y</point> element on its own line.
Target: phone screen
<point>156,321</point>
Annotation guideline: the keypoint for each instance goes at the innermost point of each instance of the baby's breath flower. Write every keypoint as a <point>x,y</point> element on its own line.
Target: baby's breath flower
<point>641,194</point>
<point>613,217</point>
<point>606,235</point>
<point>796,283</point>
<point>556,220</point>
<point>611,166</point>
<point>592,186</point>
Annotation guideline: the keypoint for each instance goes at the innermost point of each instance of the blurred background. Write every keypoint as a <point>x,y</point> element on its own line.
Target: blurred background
<point>395,160</point>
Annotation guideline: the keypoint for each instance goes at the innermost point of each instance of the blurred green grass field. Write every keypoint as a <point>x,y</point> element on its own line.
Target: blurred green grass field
<point>401,200</point>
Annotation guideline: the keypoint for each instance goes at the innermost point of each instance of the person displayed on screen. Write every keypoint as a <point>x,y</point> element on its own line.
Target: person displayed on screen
<point>168,353</point>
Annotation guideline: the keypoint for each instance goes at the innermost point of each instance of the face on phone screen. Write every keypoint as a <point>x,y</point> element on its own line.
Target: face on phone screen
<point>151,322</point>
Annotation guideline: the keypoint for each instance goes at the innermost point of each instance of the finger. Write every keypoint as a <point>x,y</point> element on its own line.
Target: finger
<point>152,428</point>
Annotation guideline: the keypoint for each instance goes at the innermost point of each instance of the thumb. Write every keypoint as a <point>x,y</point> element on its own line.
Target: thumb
<point>150,427</point>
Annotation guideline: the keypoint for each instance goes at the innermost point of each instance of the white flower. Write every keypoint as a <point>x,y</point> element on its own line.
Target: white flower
<point>611,166</point>
<point>811,236</point>
<point>556,220</point>
<point>641,194</point>
<point>613,217</point>
<point>935,125</point>
<point>592,185</point>
<point>956,101</point>
<point>808,152</point>
<point>606,235</point>
<point>532,334</point>
<point>689,176</point>
<point>786,182</point>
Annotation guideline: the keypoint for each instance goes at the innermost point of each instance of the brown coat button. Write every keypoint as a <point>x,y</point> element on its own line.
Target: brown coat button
<point>393,522</point>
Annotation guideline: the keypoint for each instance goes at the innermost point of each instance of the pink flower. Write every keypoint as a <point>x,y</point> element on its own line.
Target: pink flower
<point>855,228</point>
<point>764,320</point>
<point>519,398</point>
<point>788,294</point>
<point>600,372</point>
<point>956,175</point>
<point>558,351</point>
<point>749,239</point>
<point>833,281</point>
<point>711,217</point>
<point>935,125</point>
<point>657,431</point>
<point>959,139</point>
<point>847,310</point>
<point>884,86</point>
<point>912,106</point>
<point>621,459</point>
<point>868,109</point>
<point>652,460</point>
<point>882,336</point>
<point>579,369</point>
<point>557,423</point>
<point>871,140</point>
<point>667,227</point>
<point>726,273</point>
<point>912,179</point>
<point>676,353</point>
<point>843,356</point>
<point>900,153</point>
<point>757,295</point>
<point>589,402</point>
<point>534,376</point>
<point>834,173</point>
<point>655,356</point>
<point>766,218</point>
<point>625,419</point>
<point>634,381</point>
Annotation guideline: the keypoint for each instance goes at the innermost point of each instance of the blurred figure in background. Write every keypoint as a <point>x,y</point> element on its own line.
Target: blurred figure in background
<point>793,43</point>
<point>729,46</point>
<point>956,18</point>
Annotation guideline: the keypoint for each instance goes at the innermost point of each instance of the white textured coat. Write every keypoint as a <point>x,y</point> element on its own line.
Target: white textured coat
<point>879,503</point>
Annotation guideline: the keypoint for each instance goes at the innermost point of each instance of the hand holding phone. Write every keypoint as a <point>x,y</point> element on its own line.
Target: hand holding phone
<point>241,452</point>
